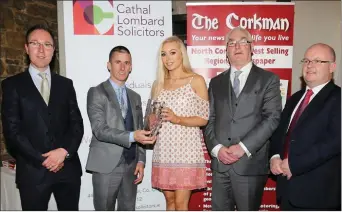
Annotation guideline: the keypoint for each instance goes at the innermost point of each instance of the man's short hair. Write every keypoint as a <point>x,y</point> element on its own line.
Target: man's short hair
<point>121,49</point>
<point>249,36</point>
<point>39,27</point>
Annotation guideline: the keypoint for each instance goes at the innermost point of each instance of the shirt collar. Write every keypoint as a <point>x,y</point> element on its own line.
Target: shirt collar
<point>245,69</point>
<point>116,86</point>
<point>35,72</point>
<point>316,89</point>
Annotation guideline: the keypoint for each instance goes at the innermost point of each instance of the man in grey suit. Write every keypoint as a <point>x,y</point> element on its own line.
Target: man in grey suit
<point>245,107</point>
<point>115,159</point>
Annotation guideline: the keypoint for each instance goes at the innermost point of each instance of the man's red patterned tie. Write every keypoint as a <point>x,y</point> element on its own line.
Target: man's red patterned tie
<point>295,118</point>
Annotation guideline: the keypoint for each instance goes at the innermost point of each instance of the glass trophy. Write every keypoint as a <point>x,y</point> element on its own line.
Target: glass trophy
<point>153,119</point>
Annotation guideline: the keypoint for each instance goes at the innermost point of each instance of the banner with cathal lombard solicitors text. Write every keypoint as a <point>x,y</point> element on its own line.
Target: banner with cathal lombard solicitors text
<point>271,25</point>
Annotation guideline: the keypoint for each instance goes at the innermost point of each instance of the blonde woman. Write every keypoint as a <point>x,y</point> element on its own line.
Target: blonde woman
<point>178,164</point>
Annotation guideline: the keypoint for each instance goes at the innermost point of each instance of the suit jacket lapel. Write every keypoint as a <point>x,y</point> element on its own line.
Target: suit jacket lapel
<point>112,98</point>
<point>249,86</point>
<point>316,103</point>
<point>250,83</point>
<point>227,90</point>
<point>35,96</point>
<point>133,106</point>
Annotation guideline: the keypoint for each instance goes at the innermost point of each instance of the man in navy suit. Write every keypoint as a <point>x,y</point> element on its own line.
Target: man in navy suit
<point>306,147</point>
<point>43,128</point>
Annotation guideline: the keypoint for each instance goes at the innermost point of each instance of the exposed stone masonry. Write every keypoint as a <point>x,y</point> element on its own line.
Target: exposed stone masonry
<point>16,16</point>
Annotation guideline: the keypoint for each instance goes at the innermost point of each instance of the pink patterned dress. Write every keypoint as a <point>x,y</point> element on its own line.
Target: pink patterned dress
<point>178,158</point>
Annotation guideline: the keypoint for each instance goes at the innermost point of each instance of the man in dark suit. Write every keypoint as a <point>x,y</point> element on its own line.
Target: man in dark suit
<point>115,158</point>
<point>245,107</point>
<point>43,128</point>
<point>306,147</point>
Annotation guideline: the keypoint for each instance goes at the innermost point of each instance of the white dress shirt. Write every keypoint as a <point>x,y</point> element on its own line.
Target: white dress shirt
<point>37,80</point>
<point>315,91</point>
<point>243,78</point>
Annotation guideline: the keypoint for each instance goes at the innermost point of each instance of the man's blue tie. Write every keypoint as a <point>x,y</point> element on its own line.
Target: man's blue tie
<point>123,105</point>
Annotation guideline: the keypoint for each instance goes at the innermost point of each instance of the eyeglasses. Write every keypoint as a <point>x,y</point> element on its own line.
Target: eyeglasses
<point>242,42</point>
<point>36,44</point>
<point>307,61</point>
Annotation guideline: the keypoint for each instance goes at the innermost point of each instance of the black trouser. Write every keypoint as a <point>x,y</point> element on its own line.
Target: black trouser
<point>285,204</point>
<point>37,197</point>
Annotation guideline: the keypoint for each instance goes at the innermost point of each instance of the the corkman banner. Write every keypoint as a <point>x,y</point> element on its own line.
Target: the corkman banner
<point>271,26</point>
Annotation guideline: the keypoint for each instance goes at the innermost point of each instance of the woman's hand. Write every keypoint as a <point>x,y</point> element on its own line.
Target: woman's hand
<point>169,115</point>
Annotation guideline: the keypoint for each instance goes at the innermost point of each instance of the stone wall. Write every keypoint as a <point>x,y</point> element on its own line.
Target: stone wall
<point>16,16</point>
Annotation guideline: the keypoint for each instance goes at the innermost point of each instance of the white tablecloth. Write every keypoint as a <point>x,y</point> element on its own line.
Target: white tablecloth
<point>10,198</point>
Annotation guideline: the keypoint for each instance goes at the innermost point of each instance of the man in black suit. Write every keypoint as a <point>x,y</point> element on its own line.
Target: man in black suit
<point>306,147</point>
<point>43,128</point>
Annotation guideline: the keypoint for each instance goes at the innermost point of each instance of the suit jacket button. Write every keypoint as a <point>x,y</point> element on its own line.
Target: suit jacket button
<point>229,139</point>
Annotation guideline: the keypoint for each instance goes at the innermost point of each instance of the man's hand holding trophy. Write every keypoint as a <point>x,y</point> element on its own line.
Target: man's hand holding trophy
<point>143,137</point>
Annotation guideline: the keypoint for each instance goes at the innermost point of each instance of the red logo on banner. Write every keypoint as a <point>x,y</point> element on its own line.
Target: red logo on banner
<point>93,17</point>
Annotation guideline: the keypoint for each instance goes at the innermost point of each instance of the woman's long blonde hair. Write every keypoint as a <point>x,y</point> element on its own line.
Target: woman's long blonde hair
<point>162,72</point>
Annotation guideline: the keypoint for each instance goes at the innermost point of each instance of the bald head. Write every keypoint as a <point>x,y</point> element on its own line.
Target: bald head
<point>326,49</point>
<point>320,64</point>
